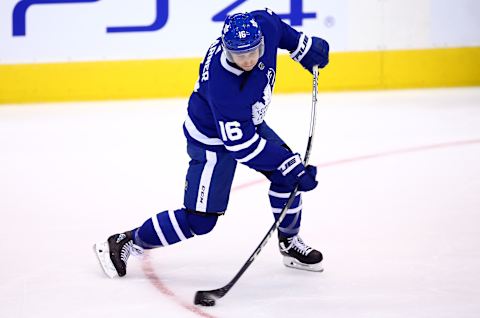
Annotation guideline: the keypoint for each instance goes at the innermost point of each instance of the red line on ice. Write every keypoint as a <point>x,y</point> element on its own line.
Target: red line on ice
<point>374,156</point>
<point>149,271</point>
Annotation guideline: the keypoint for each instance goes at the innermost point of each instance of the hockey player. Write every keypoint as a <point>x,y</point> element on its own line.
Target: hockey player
<point>225,125</point>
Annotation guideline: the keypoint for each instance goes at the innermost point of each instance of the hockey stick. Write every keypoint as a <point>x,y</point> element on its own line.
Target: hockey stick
<point>207,297</point>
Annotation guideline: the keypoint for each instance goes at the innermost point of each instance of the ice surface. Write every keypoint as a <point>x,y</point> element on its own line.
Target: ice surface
<point>396,213</point>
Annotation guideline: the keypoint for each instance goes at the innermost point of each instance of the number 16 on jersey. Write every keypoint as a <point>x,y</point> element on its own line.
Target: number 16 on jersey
<point>230,130</point>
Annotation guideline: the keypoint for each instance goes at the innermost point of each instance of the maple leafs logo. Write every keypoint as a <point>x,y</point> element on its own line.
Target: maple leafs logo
<point>259,109</point>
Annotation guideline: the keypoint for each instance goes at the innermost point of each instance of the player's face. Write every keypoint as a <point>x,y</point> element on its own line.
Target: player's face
<point>247,61</point>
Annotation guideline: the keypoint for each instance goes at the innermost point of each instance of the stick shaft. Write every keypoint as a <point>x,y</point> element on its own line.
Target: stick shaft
<point>220,292</point>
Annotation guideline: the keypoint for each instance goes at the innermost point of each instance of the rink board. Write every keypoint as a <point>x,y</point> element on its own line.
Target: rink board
<point>166,78</point>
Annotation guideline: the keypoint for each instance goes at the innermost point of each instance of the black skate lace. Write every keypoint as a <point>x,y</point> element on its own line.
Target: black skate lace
<point>298,245</point>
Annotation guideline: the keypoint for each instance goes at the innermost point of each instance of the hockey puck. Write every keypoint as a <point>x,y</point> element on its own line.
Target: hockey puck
<point>203,299</point>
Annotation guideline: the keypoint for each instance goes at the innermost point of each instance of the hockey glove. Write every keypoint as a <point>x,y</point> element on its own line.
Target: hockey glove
<point>292,172</point>
<point>316,55</point>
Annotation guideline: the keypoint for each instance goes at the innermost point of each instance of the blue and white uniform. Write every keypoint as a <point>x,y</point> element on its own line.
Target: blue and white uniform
<point>225,125</point>
<point>228,104</point>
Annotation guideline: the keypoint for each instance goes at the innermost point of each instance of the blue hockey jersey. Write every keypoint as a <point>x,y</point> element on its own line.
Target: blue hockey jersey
<point>228,104</point>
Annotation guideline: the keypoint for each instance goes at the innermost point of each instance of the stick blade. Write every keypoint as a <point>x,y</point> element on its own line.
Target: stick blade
<point>208,297</point>
<point>204,298</point>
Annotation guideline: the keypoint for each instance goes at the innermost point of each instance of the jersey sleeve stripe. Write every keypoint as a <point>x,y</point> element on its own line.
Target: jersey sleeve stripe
<point>244,145</point>
<point>254,153</point>
<point>197,135</point>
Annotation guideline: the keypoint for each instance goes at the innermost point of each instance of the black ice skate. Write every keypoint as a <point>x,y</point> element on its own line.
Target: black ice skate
<point>114,253</point>
<point>297,254</point>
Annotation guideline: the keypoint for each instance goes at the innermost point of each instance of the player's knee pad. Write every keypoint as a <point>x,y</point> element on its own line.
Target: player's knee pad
<point>200,222</point>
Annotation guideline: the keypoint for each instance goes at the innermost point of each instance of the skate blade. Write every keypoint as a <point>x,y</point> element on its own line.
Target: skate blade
<point>294,263</point>
<point>103,255</point>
